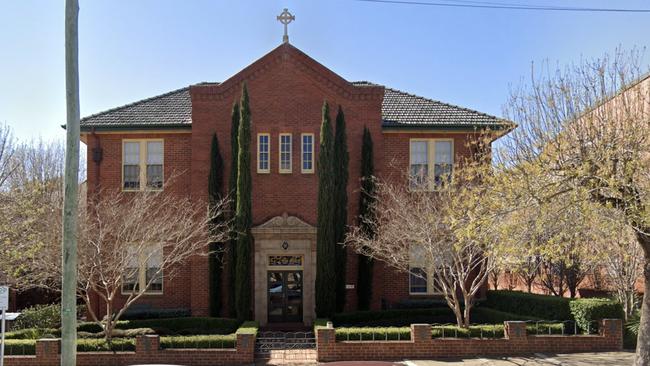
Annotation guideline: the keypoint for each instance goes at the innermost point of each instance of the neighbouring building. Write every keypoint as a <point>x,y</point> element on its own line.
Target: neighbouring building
<point>136,146</point>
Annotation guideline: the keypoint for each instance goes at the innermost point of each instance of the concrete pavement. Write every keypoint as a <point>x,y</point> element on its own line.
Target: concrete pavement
<point>574,359</point>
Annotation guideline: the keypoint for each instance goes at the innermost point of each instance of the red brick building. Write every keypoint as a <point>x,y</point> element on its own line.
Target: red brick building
<point>155,138</point>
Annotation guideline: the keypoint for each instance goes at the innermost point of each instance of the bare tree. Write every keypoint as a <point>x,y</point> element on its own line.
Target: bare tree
<point>128,243</point>
<point>587,128</point>
<point>7,150</point>
<point>450,233</point>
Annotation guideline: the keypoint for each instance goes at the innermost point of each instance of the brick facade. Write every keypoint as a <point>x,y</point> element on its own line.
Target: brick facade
<point>422,346</point>
<point>287,90</point>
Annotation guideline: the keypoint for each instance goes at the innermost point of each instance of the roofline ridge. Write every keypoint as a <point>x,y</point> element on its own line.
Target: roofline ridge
<point>135,103</point>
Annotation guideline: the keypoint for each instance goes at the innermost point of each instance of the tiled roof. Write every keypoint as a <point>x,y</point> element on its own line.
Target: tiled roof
<point>172,109</point>
<point>399,110</point>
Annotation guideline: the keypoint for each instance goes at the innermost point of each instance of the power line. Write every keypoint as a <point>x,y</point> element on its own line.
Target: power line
<point>494,5</point>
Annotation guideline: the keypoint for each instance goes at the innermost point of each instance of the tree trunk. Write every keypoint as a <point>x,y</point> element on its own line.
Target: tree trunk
<point>466,313</point>
<point>643,339</point>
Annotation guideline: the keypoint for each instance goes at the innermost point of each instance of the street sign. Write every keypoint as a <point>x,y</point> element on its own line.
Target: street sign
<point>4,297</point>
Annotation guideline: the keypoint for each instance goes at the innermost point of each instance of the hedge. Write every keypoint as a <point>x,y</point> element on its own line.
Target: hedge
<point>248,327</point>
<point>474,331</point>
<point>184,326</point>
<point>33,333</point>
<point>585,311</point>
<point>200,341</point>
<point>100,345</point>
<point>373,333</point>
<point>525,304</point>
<point>39,316</point>
<point>20,347</point>
<point>150,313</point>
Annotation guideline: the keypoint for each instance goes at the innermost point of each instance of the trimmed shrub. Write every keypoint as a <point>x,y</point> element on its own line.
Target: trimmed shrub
<point>320,323</point>
<point>100,345</point>
<point>20,347</point>
<point>481,315</point>
<point>373,333</point>
<point>530,305</point>
<point>201,341</point>
<point>89,327</point>
<point>32,333</point>
<point>474,331</point>
<point>149,313</point>
<point>248,327</point>
<point>183,325</point>
<point>388,318</point>
<point>586,311</point>
<point>39,316</point>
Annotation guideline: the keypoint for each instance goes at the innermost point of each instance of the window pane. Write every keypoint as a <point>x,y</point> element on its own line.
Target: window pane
<point>418,280</point>
<point>307,152</point>
<point>154,176</point>
<point>263,158</point>
<point>154,152</point>
<point>444,162</point>
<point>153,273</point>
<point>131,176</point>
<point>130,280</point>
<point>285,152</point>
<point>419,152</point>
<point>419,170</point>
<point>131,153</point>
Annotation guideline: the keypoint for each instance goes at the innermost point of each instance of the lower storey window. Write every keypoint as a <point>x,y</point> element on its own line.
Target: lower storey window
<point>421,282</point>
<point>144,272</point>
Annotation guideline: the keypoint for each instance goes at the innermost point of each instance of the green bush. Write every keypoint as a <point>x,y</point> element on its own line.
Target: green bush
<point>183,326</point>
<point>631,331</point>
<point>320,323</point>
<point>474,331</point>
<point>33,333</point>
<point>89,327</point>
<point>397,317</point>
<point>586,311</point>
<point>200,341</point>
<point>150,313</point>
<point>529,305</point>
<point>373,333</point>
<point>39,316</point>
<point>248,327</point>
<point>483,315</point>
<point>100,345</point>
<point>20,347</point>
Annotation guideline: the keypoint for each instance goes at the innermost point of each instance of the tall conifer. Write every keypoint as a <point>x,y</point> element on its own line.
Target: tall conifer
<point>215,195</point>
<point>232,192</point>
<point>325,241</point>
<point>340,220</point>
<point>366,202</point>
<point>243,218</point>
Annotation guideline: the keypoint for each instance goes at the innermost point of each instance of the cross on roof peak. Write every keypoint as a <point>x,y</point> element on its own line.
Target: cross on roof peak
<point>285,18</point>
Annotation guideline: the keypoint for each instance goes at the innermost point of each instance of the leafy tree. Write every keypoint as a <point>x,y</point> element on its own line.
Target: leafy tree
<point>325,241</point>
<point>243,216</point>
<point>340,159</point>
<point>366,214</point>
<point>215,196</point>
<point>232,193</point>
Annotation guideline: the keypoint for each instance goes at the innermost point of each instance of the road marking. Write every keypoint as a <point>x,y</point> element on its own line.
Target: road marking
<point>409,363</point>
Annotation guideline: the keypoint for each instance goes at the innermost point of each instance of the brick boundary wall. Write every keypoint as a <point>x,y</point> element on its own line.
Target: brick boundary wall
<point>421,345</point>
<point>147,351</point>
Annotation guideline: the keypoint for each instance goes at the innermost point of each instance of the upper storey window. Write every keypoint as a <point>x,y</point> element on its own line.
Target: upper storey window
<point>263,153</point>
<point>285,153</point>
<point>307,153</point>
<point>431,162</point>
<point>142,164</point>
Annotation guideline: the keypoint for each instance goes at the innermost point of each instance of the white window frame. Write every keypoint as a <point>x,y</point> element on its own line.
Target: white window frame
<point>268,153</point>
<point>303,151</point>
<point>143,165</point>
<point>280,169</point>
<point>142,277</point>
<point>431,160</point>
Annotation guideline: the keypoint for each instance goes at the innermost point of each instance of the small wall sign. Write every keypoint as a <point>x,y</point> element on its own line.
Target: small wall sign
<point>4,297</point>
<point>349,286</point>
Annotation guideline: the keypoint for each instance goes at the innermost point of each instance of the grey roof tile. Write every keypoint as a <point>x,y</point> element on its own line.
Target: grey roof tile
<point>399,110</point>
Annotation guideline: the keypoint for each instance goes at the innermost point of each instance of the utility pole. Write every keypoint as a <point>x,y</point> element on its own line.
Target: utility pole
<point>71,184</point>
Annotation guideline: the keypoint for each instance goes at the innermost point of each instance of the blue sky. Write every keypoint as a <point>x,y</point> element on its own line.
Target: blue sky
<point>131,50</point>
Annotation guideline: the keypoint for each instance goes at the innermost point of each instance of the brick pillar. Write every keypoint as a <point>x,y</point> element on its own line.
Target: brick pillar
<point>612,329</point>
<point>245,347</point>
<point>147,344</point>
<point>48,351</point>
<point>515,330</point>
<point>420,333</point>
<point>326,344</point>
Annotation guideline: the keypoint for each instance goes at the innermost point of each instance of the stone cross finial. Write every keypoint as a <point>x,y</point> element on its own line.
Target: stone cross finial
<point>285,18</point>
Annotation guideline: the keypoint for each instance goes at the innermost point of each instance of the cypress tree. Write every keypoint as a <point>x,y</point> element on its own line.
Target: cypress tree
<point>232,191</point>
<point>366,202</point>
<point>340,220</point>
<point>215,188</point>
<point>243,219</point>
<point>325,241</point>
